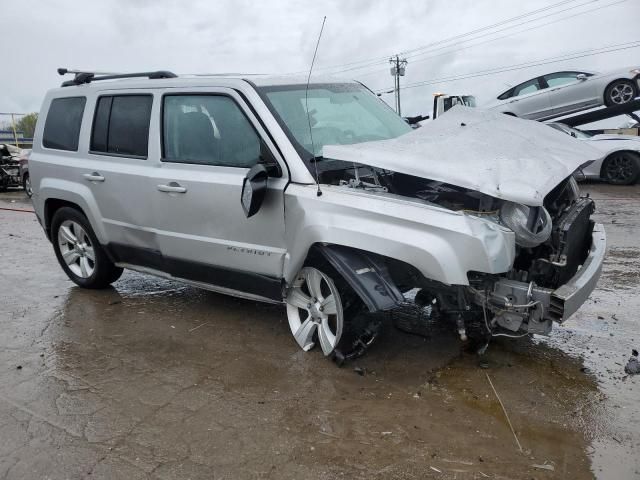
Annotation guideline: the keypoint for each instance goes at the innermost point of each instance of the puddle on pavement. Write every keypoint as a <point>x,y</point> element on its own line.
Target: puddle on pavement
<point>155,376</point>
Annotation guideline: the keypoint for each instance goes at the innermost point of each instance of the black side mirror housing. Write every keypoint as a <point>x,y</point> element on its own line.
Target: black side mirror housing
<point>269,162</point>
<point>254,189</point>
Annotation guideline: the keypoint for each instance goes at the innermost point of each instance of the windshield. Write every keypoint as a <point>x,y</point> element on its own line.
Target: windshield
<point>452,101</point>
<point>469,100</point>
<point>340,114</point>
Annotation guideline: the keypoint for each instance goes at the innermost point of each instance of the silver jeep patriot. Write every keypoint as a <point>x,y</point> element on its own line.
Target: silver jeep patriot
<point>317,196</point>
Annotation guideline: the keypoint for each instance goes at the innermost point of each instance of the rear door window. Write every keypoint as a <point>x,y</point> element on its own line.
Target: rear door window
<point>527,87</point>
<point>62,127</point>
<point>121,125</point>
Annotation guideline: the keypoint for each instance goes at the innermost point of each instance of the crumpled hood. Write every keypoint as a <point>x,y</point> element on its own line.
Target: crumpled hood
<point>498,155</point>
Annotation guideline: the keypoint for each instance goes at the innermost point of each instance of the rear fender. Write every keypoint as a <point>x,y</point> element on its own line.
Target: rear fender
<point>72,193</point>
<point>366,274</point>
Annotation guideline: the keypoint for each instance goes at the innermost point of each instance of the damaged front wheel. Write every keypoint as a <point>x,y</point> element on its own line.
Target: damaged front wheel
<point>322,308</point>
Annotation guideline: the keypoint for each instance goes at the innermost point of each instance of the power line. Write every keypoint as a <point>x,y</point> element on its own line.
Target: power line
<point>544,61</point>
<point>378,60</point>
<point>377,71</point>
<point>503,23</point>
<point>573,15</point>
<point>520,66</point>
<point>509,27</point>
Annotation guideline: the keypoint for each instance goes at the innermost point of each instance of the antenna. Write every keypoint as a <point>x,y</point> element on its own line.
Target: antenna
<point>306,106</point>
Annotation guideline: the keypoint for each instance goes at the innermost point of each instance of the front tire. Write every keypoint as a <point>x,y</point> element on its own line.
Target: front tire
<point>78,251</point>
<point>323,309</point>
<point>621,168</point>
<point>620,92</point>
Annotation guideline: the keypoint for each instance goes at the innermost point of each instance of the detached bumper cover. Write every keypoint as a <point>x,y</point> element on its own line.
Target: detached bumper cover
<point>568,298</point>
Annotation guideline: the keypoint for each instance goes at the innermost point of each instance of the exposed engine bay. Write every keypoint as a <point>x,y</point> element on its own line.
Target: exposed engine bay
<point>9,167</point>
<point>552,243</point>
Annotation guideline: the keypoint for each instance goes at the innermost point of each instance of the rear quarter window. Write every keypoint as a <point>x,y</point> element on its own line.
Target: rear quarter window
<point>62,126</point>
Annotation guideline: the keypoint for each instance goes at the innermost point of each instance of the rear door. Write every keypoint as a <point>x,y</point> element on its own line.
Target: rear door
<point>210,138</point>
<point>116,167</point>
<point>529,100</point>
<point>568,94</point>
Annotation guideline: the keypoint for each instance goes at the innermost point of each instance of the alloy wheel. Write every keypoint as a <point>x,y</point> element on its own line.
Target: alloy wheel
<point>314,309</point>
<point>619,169</point>
<point>621,93</point>
<point>76,249</point>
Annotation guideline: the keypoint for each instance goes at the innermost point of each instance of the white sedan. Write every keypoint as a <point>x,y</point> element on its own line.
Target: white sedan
<point>621,163</point>
<point>561,93</point>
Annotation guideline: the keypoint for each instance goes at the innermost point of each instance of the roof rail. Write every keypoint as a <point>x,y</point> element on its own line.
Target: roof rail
<point>88,77</point>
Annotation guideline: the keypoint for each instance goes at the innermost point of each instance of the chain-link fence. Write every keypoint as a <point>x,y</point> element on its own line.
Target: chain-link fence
<point>17,128</point>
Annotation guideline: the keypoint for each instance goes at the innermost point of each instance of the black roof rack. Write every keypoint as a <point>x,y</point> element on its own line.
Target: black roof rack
<point>88,77</point>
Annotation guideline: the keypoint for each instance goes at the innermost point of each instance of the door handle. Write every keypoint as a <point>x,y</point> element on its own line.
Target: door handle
<point>93,177</point>
<point>172,187</point>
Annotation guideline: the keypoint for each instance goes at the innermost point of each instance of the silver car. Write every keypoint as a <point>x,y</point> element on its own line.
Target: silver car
<point>321,199</point>
<point>562,93</point>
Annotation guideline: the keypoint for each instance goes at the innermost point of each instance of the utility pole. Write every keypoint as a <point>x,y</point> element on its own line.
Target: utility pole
<point>13,127</point>
<point>398,67</point>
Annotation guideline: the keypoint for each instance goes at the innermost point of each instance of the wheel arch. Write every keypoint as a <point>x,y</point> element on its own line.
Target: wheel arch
<point>365,272</point>
<point>53,194</point>
<point>609,155</point>
<point>51,206</point>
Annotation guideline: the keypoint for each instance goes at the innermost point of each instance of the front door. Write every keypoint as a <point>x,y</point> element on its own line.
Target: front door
<point>209,140</point>
<point>568,94</point>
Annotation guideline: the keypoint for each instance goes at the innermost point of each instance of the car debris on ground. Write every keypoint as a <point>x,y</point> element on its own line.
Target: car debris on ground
<point>633,365</point>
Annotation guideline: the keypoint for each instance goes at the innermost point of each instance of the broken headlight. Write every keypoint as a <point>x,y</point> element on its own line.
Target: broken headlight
<point>531,225</point>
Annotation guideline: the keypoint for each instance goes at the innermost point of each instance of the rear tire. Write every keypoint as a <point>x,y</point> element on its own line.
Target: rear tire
<point>26,183</point>
<point>78,251</point>
<point>620,92</point>
<point>621,168</point>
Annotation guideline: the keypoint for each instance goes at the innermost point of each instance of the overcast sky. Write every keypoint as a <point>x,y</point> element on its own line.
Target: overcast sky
<point>279,37</point>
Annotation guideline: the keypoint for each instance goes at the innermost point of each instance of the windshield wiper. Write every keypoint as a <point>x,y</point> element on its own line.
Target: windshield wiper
<point>315,159</point>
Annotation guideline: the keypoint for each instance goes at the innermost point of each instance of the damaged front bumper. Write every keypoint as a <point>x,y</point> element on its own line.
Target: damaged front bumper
<point>568,298</point>
<point>520,306</point>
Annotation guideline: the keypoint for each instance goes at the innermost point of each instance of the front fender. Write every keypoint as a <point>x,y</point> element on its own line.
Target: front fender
<point>442,244</point>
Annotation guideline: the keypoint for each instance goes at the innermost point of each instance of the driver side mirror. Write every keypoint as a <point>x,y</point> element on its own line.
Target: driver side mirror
<point>254,188</point>
<point>581,76</point>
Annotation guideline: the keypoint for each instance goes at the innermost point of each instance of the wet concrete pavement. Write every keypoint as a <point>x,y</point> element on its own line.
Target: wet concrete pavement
<point>153,379</point>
